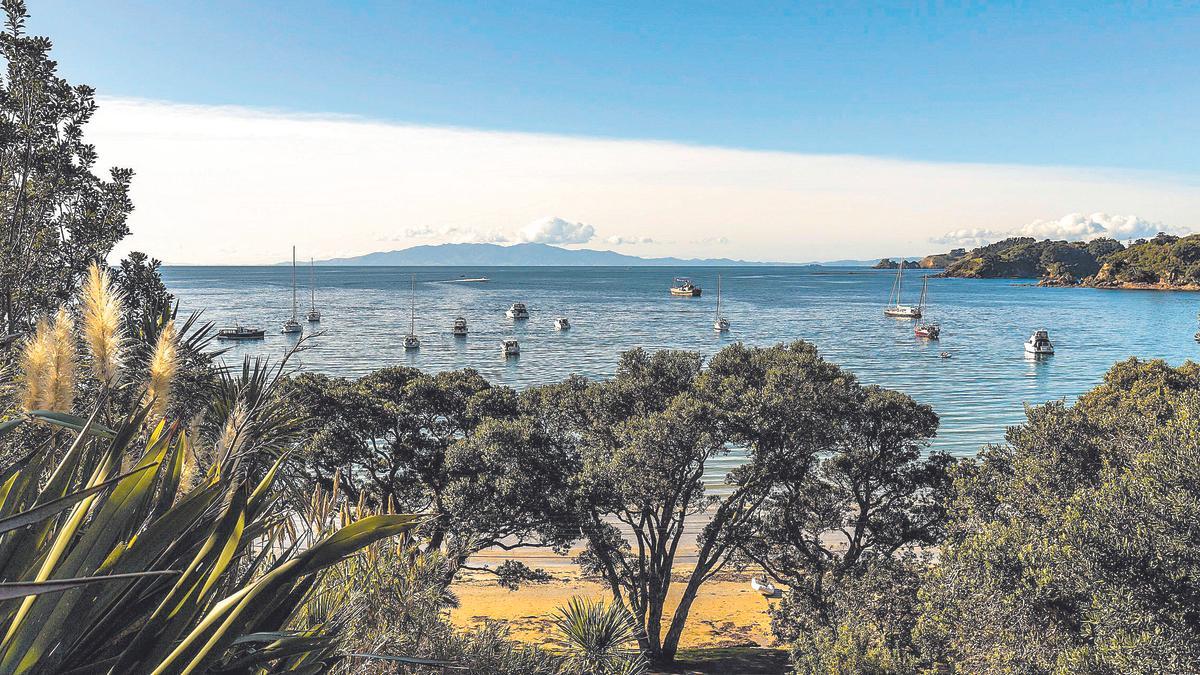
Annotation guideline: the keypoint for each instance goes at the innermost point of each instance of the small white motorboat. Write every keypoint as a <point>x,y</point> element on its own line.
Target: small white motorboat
<point>517,311</point>
<point>1039,343</point>
<point>763,586</point>
<point>929,331</point>
<point>684,288</point>
<point>510,348</point>
<point>945,355</point>
<point>561,323</point>
<point>460,327</point>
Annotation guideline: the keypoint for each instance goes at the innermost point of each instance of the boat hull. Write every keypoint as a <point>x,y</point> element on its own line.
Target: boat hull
<point>902,312</point>
<point>256,335</point>
<point>686,292</point>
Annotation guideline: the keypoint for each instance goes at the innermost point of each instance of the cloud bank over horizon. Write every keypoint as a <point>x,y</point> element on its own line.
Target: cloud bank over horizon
<point>1071,227</point>
<point>231,185</point>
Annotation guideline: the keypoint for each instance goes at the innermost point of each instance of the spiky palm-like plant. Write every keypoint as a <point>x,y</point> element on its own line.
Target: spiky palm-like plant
<point>599,639</point>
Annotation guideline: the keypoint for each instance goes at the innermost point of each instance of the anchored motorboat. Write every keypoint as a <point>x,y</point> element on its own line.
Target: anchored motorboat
<point>292,325</point>
<point>411,341</point>
<point>511,348</point>
<point>561,323</point>
<point>683,287</point>
<point>1039,343</point>
<point>460,327</point>
<point>240,332</point>
<point>720,324</point>
<point>517,311</point>
<point>894,308</point>
<point>929,331</point>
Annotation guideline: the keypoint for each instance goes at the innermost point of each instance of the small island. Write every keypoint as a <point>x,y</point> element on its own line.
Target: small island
<point>889,264</point>
<point>1164,262</point>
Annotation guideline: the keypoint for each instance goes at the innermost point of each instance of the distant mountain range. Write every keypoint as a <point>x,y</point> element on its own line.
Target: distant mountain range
<point>520,255</point>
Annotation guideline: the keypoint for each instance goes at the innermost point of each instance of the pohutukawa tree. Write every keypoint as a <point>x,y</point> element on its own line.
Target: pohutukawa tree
<point>646,441</point>
<point>449,443</point>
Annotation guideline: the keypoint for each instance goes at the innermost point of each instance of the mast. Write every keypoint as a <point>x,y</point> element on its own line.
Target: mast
<point>293,283</point>
<point>718,296</point>
<point>924,290</point>
<point>312,284</point>
<point>412,307</point>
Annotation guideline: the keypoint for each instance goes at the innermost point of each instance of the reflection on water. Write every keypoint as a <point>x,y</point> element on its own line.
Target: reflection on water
<point>977,393</point>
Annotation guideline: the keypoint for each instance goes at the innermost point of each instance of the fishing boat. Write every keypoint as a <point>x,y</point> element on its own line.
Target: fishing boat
<point>1039,343</point>
<point>411,341</point>
<point>720,324</point>
<point>684,288</point>
<point>510,348</point>
<point>929,331</point>
<point>314,314</point>
<point>561,323</point>
<point>240,332</point>
<point>763,585</point>
<point>292,325</point>
<point>459,328</point>
<point>894,308</point>
<point>517,311</point>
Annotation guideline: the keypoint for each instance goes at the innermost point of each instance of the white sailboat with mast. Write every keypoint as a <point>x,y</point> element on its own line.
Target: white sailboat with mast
<point>292,325</point>
<point>720,324</point>
<point>894,307</point>
<point>411,341</point>
<point>314,314</point>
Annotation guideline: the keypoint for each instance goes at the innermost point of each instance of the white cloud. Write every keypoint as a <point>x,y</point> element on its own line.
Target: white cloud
<point>1071,227</point>
<point>552,230</point>
<point>968,237</point>
<point>616,240</point>
<point>207,176</point>
<point>1081,227</point>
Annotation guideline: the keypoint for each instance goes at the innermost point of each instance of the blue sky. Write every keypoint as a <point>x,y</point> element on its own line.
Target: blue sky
<point>1079,84</point>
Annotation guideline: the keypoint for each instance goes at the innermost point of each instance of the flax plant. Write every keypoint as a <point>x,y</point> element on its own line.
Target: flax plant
<point>119,553</point>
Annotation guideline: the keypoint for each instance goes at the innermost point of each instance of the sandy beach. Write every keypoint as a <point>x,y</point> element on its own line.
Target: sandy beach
<point>727,613</point>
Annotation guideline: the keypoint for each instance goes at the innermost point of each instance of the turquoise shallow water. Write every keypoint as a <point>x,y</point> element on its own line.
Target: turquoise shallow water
<point>977,393</point>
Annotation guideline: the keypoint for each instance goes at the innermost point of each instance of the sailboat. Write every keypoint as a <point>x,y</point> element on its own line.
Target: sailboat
<point>314,314</point>
<point>292,325</point>
<point>894,307</point>
<point>411,341</point>
<point>721,324</point>
<point>926,329</point>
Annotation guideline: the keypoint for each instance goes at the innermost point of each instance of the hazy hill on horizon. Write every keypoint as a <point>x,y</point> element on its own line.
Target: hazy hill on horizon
<point>520,255</point>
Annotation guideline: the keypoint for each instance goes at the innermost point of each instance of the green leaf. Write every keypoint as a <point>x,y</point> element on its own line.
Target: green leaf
<point>52,507</point>
<point>20,589</point>
<point>72,422</point>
